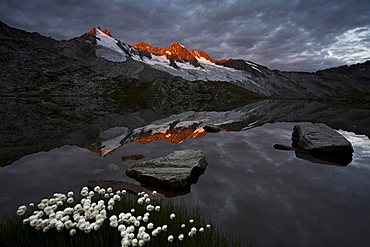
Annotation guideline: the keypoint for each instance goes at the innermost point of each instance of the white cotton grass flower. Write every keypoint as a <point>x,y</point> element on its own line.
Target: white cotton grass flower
<point>72,232</point>
<point>149,207</point>
<point>150,226</point>
<point>70,200</point>
<point>172,216</point>
<point>155,232</point>
<point>21,210</point>
<point>132,210</point>
<point>157,208</point>
<point>170,238</point>
<point>134,242</point>
<point>146,237</point>
<point>70,194</point>
<point>208,226</point>
<point>141,242</point>
<point>121,228</point>
<point>31,205</point>
<point>201,229</point>
<point>191,221</point>
<point>84,193</point>
<point>113,218</point>
<point>182,225</point>
<point>181,237</point>
<point>140,201</point>
<point>164,228</point>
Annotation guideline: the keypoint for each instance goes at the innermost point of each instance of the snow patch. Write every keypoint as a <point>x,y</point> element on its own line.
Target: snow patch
<point>108,47</point>
<point>253,67</point>
<point>251,64</point>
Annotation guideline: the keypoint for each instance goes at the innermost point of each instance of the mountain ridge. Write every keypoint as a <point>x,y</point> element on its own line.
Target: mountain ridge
<point>101,52</point>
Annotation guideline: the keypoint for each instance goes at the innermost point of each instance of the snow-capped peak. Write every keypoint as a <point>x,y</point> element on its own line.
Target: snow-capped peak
<point>108,47</point>
<point>177,60</point>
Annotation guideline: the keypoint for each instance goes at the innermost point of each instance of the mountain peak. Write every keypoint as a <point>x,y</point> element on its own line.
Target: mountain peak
<point>178,45</point>
<point>176,52</point>
<point>93,31</point>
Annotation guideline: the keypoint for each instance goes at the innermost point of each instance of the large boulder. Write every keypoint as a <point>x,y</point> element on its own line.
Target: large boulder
<point>176,170</point>
<point>321,142</point>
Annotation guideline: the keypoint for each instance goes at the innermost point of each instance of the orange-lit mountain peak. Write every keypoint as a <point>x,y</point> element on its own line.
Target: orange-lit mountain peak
<point>142,46</point>
<point>176,51</point>
<point>92,31</point>
<point>205,55</point>
<point>177,46</point>
<point>105,31</point>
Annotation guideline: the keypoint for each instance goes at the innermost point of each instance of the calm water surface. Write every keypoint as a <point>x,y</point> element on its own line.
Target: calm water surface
<point>251,188</point>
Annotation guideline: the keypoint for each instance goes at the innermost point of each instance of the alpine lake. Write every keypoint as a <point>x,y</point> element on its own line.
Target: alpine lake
<point>251,189</point>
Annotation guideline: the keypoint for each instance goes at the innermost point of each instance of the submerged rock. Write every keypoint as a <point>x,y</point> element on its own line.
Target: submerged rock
<point>322,143</point>
<point>283,147</point>
<point>176,170</point>
<point>133,157</point>
<point>212,128</point>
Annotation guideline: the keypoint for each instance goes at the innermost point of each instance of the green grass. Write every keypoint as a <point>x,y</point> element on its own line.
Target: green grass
<point>14,233</point>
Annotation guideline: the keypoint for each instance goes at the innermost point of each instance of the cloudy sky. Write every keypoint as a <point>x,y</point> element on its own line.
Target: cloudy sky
<point>287,35</point>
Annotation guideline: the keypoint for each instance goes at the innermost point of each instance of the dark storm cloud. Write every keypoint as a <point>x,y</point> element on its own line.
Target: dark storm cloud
<point>288,35</point>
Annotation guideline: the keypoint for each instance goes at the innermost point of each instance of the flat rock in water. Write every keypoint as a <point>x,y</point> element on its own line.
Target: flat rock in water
<point>321,141</point>
<point>176,170</point>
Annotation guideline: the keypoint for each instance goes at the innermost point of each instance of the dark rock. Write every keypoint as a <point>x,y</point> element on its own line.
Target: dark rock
<point>133,157</point>
<point>212,128</point>
<point>321,142</point>
<point>283,147</point>
<point>176,170</point>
